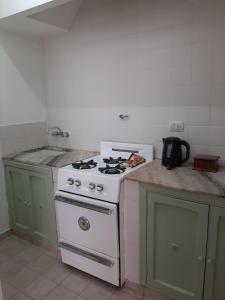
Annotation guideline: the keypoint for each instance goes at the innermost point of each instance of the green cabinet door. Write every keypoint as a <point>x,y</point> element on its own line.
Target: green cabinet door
<point>215,263</point>
<point>31,201</point>
<point>19,202</point>
<point>40,190</point>
<point>176,237</point>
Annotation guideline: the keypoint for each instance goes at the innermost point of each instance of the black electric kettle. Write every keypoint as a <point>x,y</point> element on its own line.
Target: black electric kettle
<point>172,152</point>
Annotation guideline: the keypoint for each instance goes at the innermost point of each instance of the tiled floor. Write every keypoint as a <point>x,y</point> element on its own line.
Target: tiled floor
<point>27,272</point>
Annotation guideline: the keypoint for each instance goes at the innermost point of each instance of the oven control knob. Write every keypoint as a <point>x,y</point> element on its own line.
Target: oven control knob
<point>77,182</point>
<point>70,181</point>
<point>99,187</point>
<point>91,186</point>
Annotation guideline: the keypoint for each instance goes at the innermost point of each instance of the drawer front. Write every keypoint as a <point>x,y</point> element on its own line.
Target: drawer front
<point>92,262</point>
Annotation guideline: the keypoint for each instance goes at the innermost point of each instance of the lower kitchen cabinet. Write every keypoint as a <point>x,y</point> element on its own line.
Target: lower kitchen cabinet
<point>31,202</point>
<point>215,262</point>
<point>19,207</point>
<point>182,247</point>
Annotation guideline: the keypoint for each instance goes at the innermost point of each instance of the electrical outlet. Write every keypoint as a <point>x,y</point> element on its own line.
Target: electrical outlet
<point>176,126</point>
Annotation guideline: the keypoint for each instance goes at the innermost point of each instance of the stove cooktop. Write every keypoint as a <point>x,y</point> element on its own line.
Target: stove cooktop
<point>100,176</point>
<point>107,166</point>
<point>112,170</point>
<point>96,166</point>
<point>84,165</point>
<point>112,162</point>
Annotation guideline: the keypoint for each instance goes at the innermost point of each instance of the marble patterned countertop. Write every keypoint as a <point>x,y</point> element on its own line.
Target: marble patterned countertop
<point>182,178</point>
<point>62,158</point>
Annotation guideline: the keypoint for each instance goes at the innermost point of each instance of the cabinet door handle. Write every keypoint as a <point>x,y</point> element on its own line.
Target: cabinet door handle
<point>209,261</point>
<point>175,247</point>
<point>29,204</point>
<point>200,258</point>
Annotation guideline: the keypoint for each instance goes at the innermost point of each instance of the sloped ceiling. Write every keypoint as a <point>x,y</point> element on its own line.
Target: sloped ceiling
<point>61,16</point>
<point>12,7</point>
<point>38,18</point>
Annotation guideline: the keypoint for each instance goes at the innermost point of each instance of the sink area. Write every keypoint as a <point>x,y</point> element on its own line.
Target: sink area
<point>50,156</point>
<point>44,156</point>
<point>37,157</point>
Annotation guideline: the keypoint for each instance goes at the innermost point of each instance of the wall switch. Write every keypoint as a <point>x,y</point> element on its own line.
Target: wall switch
<point>176,126</point>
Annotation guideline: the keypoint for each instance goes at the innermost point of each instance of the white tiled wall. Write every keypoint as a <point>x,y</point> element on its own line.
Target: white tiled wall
<point>156,60</point>
<point>20,137</point>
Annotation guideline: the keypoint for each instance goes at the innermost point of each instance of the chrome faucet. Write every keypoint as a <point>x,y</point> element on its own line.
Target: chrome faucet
<point>56,131</point>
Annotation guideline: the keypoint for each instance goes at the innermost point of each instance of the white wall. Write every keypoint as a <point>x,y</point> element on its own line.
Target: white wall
<point>156,60</point>
<point>11,7</point>
<point>22,100</point>
<point>22,88</point>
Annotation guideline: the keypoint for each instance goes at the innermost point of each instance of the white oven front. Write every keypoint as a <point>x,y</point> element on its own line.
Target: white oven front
<point>89,235</point>
<point>88,222</point>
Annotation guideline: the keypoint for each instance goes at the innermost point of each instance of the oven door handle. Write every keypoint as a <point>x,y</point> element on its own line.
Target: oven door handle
<point>87,254</point>
<point>97,208</point>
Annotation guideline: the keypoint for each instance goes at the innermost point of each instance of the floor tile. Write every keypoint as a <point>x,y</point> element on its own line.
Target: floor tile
<point>9,268</point>
<point>120,295</point>
<point>77,281</point>
<point>28,255</point>
<point>134,289</point>
<point>39,288</point>
<point>3,258</point>
<point>156,298</point>
<point>41,264</point>
<point>98,290</point>
<point>30,273</point>
<point>13,245</point>
<point>23,278</point>
<point>8,291</point>
<point>57,272</point>
<point>60,293</point>
<point>20,296</point>
<point>151,294</point>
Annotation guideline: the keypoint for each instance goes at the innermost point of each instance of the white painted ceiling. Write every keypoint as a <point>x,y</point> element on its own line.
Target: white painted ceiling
<point>39,18</point>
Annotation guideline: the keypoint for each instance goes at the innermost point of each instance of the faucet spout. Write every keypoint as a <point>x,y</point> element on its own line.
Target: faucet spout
<point>56,131</point>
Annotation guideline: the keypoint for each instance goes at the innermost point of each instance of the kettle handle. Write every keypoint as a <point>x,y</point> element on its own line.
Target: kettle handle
<point>187,150</point>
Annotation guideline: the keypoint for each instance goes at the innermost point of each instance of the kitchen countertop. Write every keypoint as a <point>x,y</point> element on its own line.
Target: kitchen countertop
<point>182,178</point>
<point>69,156</point>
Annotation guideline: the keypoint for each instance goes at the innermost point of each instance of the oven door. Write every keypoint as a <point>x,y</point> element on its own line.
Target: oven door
<point>87,222</point>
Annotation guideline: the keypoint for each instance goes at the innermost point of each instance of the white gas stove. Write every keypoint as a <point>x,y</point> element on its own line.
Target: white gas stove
<point>87,205</point>
<point>86,177</point>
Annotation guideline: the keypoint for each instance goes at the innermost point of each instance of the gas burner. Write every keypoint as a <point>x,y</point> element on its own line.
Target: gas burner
<point>84,165</point>
<point>112,160</point>
<point>118,169</point>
